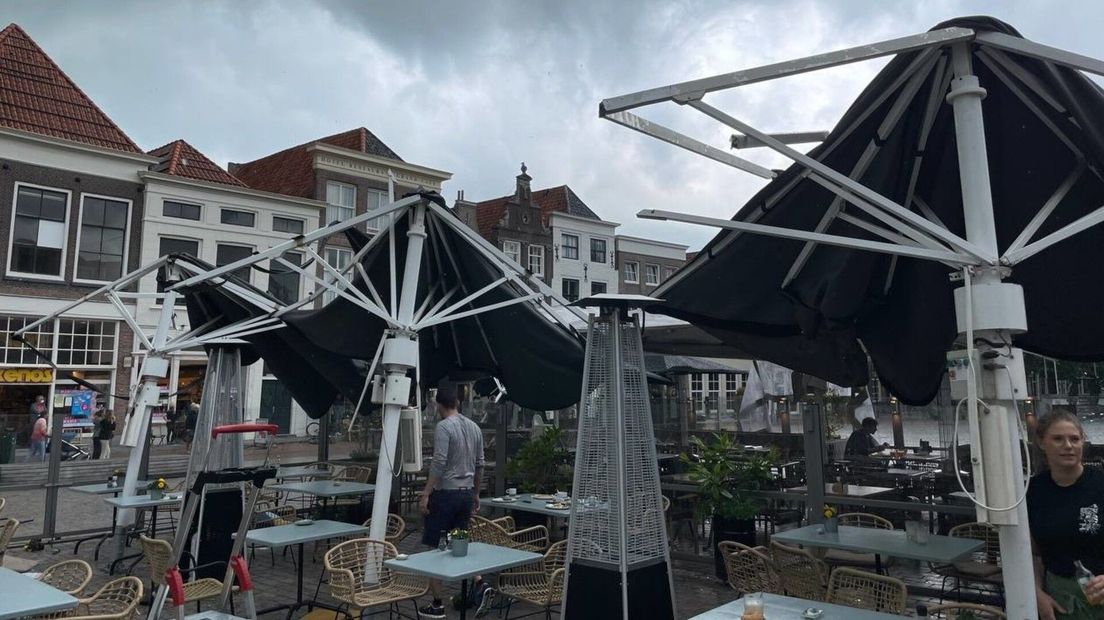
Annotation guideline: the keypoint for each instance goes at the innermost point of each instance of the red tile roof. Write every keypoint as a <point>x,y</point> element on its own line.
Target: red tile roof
<point>36,96</point>
<point>291,171</point>
<point>560,199</point>
<point>183,160</point>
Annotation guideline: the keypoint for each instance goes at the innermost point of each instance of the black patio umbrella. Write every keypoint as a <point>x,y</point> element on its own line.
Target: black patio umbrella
<point>1041,121</point>
<point>323,353</point>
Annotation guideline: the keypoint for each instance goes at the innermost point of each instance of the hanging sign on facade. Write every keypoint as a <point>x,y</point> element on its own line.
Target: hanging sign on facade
<point>26,375</point>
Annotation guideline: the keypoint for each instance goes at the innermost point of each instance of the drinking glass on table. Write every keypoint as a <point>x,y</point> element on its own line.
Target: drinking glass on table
<point>753,607</point>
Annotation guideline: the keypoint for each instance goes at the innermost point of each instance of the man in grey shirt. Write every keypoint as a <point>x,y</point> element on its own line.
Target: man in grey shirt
<point>451,493</point>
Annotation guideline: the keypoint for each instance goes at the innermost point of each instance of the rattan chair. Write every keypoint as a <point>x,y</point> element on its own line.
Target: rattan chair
<point>953,611</point>
<point>354,473</point>
<point>157,554</point>
<point>749,569</point>
<point>982,568</point>
<point>2,503</point>
<point>7,531</point>
<point>501,532</point>
<point>866,590</point>
<point>116,600</point>
<point>800,574</point>
<point>396,528</point>
<point>842,557</point>
<point>346,566</point>
<point>540,583</point>
<point>285,514</point>
<point>70,576</point>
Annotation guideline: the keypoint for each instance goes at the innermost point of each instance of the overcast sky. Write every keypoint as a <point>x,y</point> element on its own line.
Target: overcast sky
<point>475,88</point>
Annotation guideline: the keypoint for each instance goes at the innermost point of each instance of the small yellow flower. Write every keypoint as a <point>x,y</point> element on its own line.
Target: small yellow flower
<point>829,512</point>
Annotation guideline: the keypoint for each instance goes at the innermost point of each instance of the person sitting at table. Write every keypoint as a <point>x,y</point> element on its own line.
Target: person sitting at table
<point>1063,508</point>
<point>862,442</point>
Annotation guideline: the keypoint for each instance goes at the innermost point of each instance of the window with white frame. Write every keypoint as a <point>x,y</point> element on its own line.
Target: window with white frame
<point>39,231</point>
<point>732,388</point>
<point>15,352</point>
<point>597,250</point>
<point>283,281</point>
<point>101,250</point>
<point>570,289</point>
<point>226,254</point>
<point>569,246</point>
<point>340,201</point>
<point>338,258</point>
<point>667,273</point>
<point>287,225</point>
<point>169,245</point>
<point>651,275</point>
<point>632,272</point>
<point>234,217</point>
<point>84,342</point>
<point>713,390</point>
<point>182,210</point>
<point>376,199</point>
<point>512,250</point>
<point>536,259</point>
<point>697,395</point>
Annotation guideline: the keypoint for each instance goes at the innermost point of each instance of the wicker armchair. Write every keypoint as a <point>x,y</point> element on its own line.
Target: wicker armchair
<point>842,557</point>
<point>540,583</point>
<point>7,531</point>
<point>345,564</point>
<point>116,600</point>
<point>70,576</point>
<point>865,590</point>
<point>157,553</point>
<point>284,514</point>
<point>354,473</point>
<point>800,574</point>
<point>983,567</point>
<point>502,533</point>
<point>396,527</point>
<point>2,503</point>
<point>749,569</point>
<point>952,611</point>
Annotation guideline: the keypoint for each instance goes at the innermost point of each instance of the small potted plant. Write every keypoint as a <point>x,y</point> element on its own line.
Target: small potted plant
<point>157,488</point>
<point>113,479</point>
<point>458,538</point>
<point>831,521</point>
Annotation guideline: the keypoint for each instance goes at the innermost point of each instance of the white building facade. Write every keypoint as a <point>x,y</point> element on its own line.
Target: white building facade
<point>584,257</point>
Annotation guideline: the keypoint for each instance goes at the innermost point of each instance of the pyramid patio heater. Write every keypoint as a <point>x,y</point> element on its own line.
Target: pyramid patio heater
<point>617,559</point>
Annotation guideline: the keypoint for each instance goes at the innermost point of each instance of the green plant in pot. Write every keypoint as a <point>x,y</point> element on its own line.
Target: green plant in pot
<point>727,478</point>
<point>541,465</point>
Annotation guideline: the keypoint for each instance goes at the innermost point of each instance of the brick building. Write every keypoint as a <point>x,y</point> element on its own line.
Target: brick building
<point>70,212</point>
<point>644,264</point>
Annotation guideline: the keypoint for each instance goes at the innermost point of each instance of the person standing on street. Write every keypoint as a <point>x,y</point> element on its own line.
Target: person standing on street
<point>96,417</point>
<point>107,432</point>
<point>38,439</point>
<point>451,494</point>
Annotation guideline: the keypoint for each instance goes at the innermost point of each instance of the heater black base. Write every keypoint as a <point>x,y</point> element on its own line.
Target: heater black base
<point>594,592</point>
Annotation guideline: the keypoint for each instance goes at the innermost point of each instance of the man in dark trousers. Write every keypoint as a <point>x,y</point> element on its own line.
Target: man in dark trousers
<point>862,442</point>
<point>451,494</point>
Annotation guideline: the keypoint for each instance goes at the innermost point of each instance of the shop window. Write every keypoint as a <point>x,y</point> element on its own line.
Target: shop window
<point>13,352</point>
<point>84,342</point>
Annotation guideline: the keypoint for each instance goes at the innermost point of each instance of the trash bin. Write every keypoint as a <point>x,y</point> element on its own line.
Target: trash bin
<point>7,447</point>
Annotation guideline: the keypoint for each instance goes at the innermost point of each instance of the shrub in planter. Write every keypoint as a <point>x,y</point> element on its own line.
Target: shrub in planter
<point>727,477</point>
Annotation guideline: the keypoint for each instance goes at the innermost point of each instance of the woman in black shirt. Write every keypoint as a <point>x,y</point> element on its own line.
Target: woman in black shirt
<point>1064,509</point>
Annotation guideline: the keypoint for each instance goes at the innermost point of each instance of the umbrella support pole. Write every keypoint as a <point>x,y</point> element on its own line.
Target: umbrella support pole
<point>996,451</point>
<point>399,356</point>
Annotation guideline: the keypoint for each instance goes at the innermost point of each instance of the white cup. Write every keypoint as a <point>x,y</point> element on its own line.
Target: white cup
<point>511,491</point>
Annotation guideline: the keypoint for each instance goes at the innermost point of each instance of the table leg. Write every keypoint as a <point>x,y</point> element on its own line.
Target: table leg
<point>878,563</point>
<point>463,599</point>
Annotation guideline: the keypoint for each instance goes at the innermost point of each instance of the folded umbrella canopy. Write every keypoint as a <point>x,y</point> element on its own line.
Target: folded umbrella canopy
<point>823,310</point>
<point>474,320</point>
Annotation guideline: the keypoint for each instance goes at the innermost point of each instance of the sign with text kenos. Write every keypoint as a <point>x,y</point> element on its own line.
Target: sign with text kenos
<point>26,375</point>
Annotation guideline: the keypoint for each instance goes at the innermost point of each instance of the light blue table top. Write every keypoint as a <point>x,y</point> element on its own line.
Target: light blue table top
<point>778,607</point>
<point>526,503</point>
<point>325,488</point>
<point>482,559</point>
<point>103,489</point>
<point>144,501</point>
<point>284,535</point>
<point>21,595</point>
<point>891,543</point>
